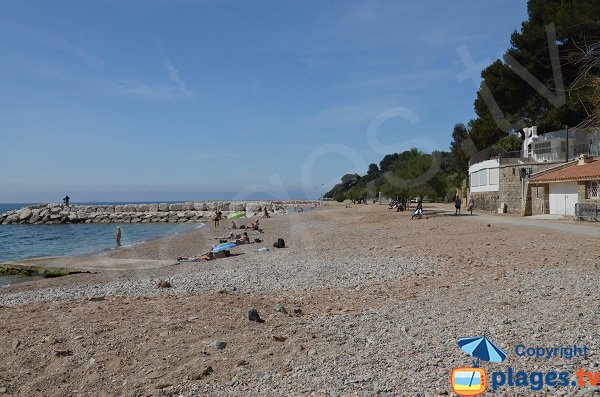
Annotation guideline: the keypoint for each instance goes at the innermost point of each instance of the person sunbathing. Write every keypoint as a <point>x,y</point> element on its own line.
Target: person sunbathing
<point>244,240</point>
<point>207,256</point>
<point>230,235</point>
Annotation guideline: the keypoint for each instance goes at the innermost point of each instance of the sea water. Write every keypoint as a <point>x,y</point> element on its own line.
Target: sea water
<point>34,241</point>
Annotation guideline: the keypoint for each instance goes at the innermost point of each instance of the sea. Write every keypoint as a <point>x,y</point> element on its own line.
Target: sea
<point>34,241</point>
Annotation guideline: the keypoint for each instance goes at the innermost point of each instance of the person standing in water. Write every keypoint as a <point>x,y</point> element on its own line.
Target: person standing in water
<point>118,236</point>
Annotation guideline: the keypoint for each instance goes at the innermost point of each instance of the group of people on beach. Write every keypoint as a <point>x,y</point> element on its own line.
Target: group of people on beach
<point>418,213</point>
<point>237,239</point>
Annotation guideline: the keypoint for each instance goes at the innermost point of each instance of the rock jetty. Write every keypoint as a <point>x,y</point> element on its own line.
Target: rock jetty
<point>189,212</point>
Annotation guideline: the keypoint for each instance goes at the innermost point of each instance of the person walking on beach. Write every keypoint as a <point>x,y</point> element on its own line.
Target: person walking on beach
<point>266,212</point>
<point>66,200</point>
<point>457,204</point>
<point>118,236</point>
<point>471,205</point>
<point>217,218</point>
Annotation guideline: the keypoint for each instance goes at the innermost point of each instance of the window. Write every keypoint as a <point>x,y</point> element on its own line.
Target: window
<point>592,191</point>
<point>483,177</point>
<point>543,147</point>
<point>494,176</point>
<point>475,179</point>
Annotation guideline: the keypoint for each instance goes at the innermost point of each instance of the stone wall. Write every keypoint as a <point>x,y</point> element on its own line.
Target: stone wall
<point>512,191</point>
<point>140,213</point>
<point>486,201</point>
<point>540,200</point>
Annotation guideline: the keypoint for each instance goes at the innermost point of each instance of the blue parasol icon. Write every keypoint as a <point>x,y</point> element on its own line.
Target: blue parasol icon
<point>481,348</point>
<point>223,247</point>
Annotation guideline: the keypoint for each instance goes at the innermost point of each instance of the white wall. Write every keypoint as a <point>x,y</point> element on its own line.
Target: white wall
<point>485,176</point>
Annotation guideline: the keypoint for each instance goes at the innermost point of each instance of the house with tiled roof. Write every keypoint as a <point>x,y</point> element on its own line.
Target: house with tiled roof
<point>558,190</point>
<point>547,176</point>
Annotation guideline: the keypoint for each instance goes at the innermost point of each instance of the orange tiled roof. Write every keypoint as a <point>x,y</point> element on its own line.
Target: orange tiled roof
<point>575,172</point>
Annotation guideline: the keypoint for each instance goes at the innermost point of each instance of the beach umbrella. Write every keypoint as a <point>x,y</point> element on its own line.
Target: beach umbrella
<point>235,215</point>
<point>223,247</point>
<point>482,348</point>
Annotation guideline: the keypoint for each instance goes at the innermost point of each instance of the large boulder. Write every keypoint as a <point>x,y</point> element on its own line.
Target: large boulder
<point>163,207</point>
<point>223,206</point>
<point>200,206</point>
<point>35,218</point>
<point>129,208</point>
<point>175,207</point>
<point>237,207</point>
<point>11,219</point>
<point>153,208</point>
<point>25,214</point>
<point>253,207</point>
<point>56,210</point>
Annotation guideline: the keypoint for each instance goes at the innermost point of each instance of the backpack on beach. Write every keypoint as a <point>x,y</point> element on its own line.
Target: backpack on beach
<point>279,243</point>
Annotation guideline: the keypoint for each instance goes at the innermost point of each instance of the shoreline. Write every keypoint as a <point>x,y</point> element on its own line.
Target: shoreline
<point>68,263</point>
<point>374,300</point>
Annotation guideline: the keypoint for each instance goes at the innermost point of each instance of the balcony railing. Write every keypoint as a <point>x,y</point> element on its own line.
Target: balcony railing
<point>538,156</point>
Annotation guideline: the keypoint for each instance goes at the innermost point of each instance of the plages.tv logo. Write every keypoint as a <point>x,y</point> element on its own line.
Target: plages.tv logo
<point>472,381</point>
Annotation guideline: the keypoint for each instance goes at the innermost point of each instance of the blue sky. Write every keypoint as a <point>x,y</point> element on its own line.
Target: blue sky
<point>183,99</point>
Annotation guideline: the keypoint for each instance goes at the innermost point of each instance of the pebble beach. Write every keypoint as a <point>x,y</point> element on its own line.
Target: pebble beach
<point>362,301</point>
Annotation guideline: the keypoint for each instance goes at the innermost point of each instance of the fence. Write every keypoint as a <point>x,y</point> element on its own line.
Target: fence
<point>539,155</point>
<point>586,211</point>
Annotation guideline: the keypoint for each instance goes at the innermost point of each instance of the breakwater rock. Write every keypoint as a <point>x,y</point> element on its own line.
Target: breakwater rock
<point>189,212</point>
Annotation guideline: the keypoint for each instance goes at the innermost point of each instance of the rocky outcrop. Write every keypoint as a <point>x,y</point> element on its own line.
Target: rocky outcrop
<point>189,212</point>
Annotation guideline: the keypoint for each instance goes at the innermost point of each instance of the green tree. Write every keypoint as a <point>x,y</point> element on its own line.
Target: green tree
<point>459,160</point>
<point>415,173</point>
<point>575,22</point>
<point>373,172</point>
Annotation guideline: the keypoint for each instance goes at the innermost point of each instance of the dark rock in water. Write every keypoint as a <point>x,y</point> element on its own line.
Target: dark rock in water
<point>254,316</point>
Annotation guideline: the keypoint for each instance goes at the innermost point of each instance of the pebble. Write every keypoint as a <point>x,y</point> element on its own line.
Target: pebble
<point>219,344</point>
<point>254,316</point>
<point>280,309</point>
<point>296,310</point>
